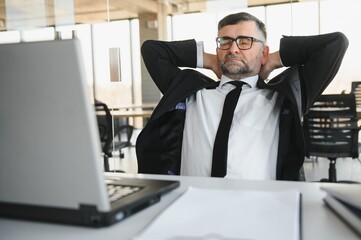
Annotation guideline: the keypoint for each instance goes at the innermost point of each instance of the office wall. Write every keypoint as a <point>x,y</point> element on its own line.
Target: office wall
<point>301,18</point>
<point>148,30</point>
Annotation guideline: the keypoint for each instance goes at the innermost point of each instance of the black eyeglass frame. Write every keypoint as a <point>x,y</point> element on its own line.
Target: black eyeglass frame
<point>237,40</point>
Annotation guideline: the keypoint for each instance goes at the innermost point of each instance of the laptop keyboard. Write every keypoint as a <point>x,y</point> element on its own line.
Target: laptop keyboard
<point>116,191</point>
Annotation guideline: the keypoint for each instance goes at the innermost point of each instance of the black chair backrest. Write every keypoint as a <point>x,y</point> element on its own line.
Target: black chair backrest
<point>104,119</point>
<point>356,90</point>
<point>331,127</point>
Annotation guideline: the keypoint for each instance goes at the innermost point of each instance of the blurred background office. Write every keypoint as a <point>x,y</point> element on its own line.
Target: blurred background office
<point>112,31</point>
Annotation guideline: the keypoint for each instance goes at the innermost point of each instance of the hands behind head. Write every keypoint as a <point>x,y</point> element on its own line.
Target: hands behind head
<point>273,62</point>
<point>217,70</point>
<point>210,61</point>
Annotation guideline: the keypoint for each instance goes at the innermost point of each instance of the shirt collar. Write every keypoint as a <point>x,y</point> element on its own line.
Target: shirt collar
<point>251,81</point>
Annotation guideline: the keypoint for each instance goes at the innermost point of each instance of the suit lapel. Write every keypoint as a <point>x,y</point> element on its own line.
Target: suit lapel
<point>187,83</point>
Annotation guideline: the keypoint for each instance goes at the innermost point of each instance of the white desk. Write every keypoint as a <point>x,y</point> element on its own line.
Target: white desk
<point>141,106</point>
<point>131,113</point>
<point>318,222</point>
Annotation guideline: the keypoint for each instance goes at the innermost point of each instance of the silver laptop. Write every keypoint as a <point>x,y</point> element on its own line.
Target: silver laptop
<point>50,158</point>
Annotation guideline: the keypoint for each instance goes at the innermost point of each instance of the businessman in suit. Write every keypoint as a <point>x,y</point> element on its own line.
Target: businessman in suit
<point>265,140</point>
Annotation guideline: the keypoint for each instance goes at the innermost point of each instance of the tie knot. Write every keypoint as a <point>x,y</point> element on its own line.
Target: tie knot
<point>238,84</point>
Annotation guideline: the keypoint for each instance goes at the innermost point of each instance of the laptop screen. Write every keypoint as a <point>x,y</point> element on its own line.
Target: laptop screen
<point>49,143</point>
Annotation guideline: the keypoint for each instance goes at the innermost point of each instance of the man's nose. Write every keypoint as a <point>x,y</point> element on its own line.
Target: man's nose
<point>234,48</point>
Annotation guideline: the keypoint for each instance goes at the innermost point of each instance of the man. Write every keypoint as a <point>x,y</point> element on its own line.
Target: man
<point>266,137</point>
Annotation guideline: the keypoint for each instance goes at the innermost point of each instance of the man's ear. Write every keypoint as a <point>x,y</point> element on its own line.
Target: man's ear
<point>265,53</point>
<point>217,52</point>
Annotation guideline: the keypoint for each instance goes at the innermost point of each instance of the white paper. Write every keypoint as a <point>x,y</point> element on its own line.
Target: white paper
<point>228,215</point>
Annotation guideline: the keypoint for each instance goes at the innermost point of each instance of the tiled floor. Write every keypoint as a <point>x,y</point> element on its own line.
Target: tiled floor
<point>347,168</point>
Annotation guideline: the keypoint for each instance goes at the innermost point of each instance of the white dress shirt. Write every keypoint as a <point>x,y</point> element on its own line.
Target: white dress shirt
<point>253,138</point>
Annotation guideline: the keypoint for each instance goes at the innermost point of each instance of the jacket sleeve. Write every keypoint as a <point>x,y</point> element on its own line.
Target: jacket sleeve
<point>163,59</point>
<point>319,57</point>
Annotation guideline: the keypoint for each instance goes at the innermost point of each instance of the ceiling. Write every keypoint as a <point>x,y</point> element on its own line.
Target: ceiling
<point>88,10</point>
<point>92,11</point>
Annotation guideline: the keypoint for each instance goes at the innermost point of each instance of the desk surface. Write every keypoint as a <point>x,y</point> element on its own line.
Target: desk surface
<point>144,106</point>
<point>318,222</point>
<point>131,113</point>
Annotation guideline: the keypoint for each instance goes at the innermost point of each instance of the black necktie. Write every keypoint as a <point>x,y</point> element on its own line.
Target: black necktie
<point>220,148</point>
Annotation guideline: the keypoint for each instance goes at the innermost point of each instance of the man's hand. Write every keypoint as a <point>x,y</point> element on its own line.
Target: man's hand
<point>273,62</point>
<point>210,61</point>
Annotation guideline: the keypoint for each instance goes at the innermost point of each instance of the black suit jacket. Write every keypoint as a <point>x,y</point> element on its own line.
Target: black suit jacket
<point>313,62</point>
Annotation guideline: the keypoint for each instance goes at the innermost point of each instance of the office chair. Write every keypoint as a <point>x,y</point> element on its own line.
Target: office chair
<point>356,90</point>
<point>106,133</point>
<point>331,130</point>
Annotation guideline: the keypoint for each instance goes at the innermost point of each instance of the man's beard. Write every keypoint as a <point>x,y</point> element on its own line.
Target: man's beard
<point>235,70</point>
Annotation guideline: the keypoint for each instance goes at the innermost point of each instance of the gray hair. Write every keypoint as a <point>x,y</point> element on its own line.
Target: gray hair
<point>235,18</point>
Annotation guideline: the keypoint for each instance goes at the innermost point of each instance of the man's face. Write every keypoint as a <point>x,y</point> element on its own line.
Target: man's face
<point>236,63</point>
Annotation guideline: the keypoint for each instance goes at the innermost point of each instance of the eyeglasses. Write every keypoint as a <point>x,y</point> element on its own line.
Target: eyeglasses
<point>243,42</point>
